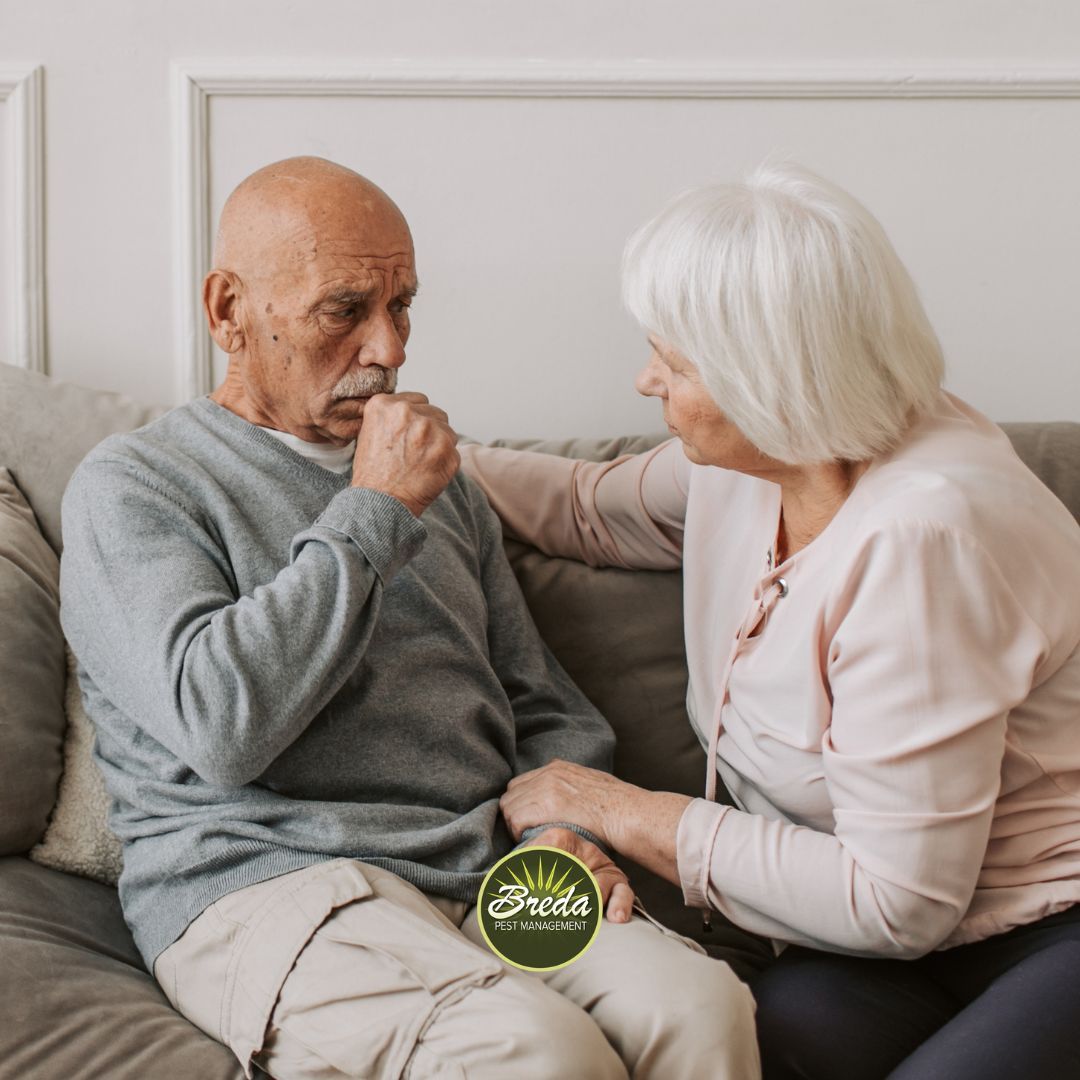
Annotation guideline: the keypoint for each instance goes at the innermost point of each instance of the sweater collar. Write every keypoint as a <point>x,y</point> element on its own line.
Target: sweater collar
<point>226,418</point>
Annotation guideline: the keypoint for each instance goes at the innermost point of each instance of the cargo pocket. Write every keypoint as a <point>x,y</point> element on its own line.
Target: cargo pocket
<point>271,937</point>
<point>370,980</point>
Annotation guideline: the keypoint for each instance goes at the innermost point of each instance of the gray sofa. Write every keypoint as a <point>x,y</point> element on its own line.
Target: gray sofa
<point>75,999</point>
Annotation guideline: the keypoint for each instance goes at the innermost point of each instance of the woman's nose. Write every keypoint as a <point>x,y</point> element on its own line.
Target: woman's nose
<point>648,383</point>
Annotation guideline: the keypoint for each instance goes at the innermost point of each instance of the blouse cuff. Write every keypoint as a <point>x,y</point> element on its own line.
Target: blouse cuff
<point>694,842</point>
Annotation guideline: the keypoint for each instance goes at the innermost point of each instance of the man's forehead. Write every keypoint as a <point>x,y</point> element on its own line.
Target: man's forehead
<point>360,249</point>
<point>352,279</point>
<point>318,259</point>
<point>357,243</point>
<point>300,234</point>
<point>352,244</point>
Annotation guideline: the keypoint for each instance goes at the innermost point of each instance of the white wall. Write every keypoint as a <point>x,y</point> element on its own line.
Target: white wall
<point>520,203</point>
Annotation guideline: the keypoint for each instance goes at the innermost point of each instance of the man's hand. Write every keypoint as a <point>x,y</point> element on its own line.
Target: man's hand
<point>615,891</point>
<point>565,791</point>
<point>405,448</point>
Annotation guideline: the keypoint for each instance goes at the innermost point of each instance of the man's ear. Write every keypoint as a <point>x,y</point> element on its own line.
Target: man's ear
<point>221,302</point>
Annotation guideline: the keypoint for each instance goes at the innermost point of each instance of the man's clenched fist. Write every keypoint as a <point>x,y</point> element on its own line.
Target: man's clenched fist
<point>405,448</point>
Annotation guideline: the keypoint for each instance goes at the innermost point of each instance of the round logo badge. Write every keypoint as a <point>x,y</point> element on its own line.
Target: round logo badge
<point>539,908</point>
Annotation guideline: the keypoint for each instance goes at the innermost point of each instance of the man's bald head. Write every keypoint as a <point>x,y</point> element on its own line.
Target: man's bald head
<point>276,215</point>
<point>309,295</point>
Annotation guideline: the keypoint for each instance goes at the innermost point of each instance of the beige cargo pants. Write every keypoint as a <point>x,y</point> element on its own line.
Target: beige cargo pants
<point>343,969</point>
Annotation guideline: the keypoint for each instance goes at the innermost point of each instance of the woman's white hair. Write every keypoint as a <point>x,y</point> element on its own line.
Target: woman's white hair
<point>790,299</point>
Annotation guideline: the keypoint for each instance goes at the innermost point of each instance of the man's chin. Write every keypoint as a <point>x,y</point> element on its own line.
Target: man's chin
<point>341,427</point>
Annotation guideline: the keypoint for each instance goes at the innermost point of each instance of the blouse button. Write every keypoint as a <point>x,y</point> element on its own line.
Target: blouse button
<point>783,587</point>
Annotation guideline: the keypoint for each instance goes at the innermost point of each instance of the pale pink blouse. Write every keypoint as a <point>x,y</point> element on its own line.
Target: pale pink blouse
<point>901,734</point>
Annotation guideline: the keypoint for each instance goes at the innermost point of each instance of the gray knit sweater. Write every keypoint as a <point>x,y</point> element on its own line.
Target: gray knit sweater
<point>283,669</point>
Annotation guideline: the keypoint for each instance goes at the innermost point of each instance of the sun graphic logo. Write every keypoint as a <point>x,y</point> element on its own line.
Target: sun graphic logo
<point>539,908</point>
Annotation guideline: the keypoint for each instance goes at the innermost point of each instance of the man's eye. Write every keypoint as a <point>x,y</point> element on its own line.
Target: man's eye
<point>399,307</point>
<point>344,313</point>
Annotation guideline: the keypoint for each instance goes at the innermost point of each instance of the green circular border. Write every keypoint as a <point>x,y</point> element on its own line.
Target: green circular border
<point>520,851</point>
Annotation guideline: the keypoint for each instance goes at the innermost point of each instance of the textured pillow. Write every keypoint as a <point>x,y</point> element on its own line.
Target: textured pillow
<point>31,673</point>
<point>78,839</point>
<point>47,426</point>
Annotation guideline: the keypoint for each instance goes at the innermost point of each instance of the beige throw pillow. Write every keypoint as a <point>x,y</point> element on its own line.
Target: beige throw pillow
<point>31,673</point>
<point>77,839</point>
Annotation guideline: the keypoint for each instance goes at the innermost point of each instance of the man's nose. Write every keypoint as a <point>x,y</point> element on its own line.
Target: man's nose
<point>383,344</point>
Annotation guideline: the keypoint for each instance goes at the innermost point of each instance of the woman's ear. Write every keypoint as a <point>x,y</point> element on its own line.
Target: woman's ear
<point>221,302</point>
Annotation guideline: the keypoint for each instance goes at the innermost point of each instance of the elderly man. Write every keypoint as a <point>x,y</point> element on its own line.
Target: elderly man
<point>312,676</point>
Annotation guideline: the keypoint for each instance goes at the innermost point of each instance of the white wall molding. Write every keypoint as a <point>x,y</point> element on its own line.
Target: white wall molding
<point>191,171</point>
<point>21,94</point>
<point>195,82</point>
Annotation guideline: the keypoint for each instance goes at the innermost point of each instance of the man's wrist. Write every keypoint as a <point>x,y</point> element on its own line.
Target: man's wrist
<point>535,830</point>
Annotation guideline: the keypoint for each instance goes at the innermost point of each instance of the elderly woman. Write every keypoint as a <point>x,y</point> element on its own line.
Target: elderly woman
<point>882,621</point>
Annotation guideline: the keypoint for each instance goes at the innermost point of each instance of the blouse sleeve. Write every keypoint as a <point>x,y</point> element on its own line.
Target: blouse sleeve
<point>628,512</point>
<point>927,652</point>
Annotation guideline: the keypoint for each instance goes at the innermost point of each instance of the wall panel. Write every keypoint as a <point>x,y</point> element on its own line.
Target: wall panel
<point>520,205</point>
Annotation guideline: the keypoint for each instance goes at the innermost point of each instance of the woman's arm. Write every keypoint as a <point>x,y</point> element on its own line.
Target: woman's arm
<point>628,512</point>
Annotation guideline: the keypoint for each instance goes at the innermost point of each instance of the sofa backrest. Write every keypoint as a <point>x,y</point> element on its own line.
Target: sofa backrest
<point>1051,451</point>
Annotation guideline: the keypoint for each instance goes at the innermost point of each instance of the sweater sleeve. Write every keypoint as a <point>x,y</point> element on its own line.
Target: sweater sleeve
<point>224,682</point>
<point>552,717</point>
<point>929,651</point>
<point>628,512</point>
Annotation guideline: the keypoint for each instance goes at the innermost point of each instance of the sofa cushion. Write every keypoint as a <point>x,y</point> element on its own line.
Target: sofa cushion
<point>47,426</point>
<point>78,839</point>
<point>75,997</point>
<point>31,673</point>
<point>618,633</point>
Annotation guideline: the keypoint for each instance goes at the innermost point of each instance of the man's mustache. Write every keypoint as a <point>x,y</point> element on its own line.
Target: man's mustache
<point>366,382</point>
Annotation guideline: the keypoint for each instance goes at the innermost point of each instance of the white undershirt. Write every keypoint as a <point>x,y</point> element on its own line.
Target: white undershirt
<point>337,459</point>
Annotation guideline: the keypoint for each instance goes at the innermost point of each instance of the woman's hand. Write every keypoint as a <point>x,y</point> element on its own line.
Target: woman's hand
<point>563,791</point>
<point>640,824</point>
